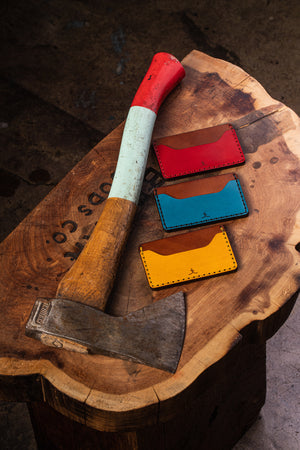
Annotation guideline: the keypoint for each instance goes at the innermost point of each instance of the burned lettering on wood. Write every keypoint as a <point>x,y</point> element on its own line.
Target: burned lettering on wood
<point>152,179</point>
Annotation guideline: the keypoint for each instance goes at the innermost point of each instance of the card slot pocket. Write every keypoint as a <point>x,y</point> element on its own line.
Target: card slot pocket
<point>181,160</point>
<point>193,263</point>
<point>224,204</point>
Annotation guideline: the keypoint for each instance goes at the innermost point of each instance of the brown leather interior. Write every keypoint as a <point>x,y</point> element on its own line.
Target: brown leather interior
<point>200,186</point>
<point>183,242</point>
<point>193,138</point>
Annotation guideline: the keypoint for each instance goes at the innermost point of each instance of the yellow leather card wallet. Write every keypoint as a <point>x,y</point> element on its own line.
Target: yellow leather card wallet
<point>185,257</point>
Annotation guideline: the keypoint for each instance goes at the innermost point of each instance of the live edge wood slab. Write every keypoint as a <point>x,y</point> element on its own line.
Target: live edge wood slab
<point>219,386</point>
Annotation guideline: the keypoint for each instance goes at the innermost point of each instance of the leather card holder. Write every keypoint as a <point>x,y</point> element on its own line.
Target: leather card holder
<point>201,201</point>
<point>198,151</point>
<point>186,257</point>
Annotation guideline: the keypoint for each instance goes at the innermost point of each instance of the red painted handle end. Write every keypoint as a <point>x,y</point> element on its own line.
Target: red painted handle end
<point>164,73</point>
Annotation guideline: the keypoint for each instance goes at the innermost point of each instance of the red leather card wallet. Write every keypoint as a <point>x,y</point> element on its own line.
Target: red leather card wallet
<point>198,151</point>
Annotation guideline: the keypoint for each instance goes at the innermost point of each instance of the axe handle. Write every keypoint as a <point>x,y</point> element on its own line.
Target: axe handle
<point>91,277</point>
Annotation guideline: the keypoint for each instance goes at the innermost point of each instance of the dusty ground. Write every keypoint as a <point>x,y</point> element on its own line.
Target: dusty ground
<point>68,73</point>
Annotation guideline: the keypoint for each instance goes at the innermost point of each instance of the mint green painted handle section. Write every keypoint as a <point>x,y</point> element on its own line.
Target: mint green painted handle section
<point>136,140</point>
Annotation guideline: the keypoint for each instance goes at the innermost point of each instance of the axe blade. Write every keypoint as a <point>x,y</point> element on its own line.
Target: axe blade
<point>153,335</point>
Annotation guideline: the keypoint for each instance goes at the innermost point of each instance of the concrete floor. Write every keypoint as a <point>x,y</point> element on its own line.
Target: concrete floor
<point>68,73</point>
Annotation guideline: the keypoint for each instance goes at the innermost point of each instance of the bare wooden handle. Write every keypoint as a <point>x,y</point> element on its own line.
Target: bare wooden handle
<point>91,278</point>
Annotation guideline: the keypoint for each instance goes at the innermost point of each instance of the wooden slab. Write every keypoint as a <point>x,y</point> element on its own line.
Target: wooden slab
<point>113,395</point>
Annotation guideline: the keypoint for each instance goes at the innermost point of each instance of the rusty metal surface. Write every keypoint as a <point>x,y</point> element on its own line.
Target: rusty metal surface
<point>153,335</point>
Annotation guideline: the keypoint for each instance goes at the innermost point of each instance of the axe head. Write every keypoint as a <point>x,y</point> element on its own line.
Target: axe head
<point>152,335</point>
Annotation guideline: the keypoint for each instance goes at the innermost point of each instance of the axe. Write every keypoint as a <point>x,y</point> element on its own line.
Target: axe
<point>75,319</point>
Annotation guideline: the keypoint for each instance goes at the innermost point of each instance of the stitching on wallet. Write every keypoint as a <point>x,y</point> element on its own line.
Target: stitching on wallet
<point>204,220</point>
<point>160,161</point>
<point>199,169</point>
<point>226,269</point>
<point>241,193</point>
<point>146,267</point>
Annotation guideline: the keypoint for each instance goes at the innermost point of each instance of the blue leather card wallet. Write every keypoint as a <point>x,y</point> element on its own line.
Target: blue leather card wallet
<point>199,202</point>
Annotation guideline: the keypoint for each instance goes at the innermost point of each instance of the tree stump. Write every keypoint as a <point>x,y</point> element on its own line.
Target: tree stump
<point>80,400</point>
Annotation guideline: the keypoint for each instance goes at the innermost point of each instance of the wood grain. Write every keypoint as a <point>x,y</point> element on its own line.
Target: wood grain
<point>114,395</point>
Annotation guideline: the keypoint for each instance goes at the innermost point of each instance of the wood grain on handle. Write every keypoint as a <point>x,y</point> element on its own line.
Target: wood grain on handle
<point>91,278</point>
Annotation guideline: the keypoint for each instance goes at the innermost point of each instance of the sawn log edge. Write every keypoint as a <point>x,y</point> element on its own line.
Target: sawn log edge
<point>131,411</point>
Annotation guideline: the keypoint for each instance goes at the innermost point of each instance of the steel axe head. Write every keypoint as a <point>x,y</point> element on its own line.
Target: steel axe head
<point>153,335</point>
